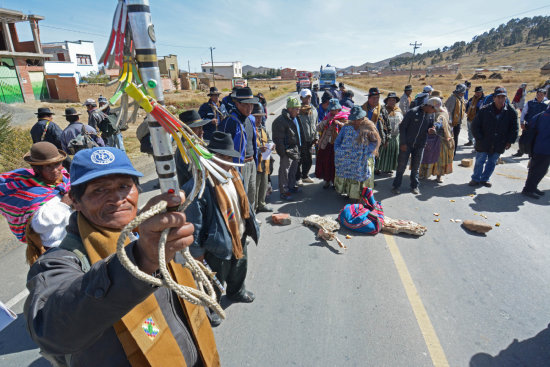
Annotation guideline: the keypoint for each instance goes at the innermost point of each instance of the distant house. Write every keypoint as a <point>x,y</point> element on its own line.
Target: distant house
<point>288,74</point>
<point>21,63</point>
<point>75,58</point>
<point>168,66</point>
<point>545,70</point>
<point>229,70</point>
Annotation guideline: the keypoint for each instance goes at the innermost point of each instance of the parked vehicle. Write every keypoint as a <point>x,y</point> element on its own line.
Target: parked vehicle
<point>304,80</point>
<point>328,77</point>
<point>241,83</point>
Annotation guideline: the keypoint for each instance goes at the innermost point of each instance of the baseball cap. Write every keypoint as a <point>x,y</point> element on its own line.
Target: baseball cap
<point>427,89</point>
<point>89,164</point>
<point>89,101</point>
<point>304,93</point>
<point>500,92</point>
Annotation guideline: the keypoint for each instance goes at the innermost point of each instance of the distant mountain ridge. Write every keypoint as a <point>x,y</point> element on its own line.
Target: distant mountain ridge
<point>375,65</point>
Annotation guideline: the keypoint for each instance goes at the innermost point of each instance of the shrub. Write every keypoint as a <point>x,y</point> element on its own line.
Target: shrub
<point>14,143</point>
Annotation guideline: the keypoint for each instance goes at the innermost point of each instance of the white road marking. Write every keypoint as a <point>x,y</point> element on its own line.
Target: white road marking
<point>18,297</point>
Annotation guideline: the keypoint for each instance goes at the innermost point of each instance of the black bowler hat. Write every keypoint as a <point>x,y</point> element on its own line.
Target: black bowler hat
<point>391,95</point>
<point>44,111</point>
<point>71,111</point>
<point>222,143</point>
<point>213,92</point>
<point>244,95</point>
<point>374,92</point>
<point>258,110</point>
<point>192,118</point>
<point>478,89</point>
<point>408,87</point>
<point>327,96</point>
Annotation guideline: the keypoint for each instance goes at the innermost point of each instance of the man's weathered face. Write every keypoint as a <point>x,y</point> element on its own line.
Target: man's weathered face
<point>373,100</point>
<point>499,101</point>
<point>258,119</point>
<point>391,102</point>
<point>198,131</point>
<point>215,98</point>
<point>245,108</point>
<point>293,111</point>
<point>461,95</point>
<point>225,158</point>
<point>408,92</point>
<point>50,173</point>
<point>306,100</point>
<point>109,201</point>
<point>478,94</point>
<point>540,96</point>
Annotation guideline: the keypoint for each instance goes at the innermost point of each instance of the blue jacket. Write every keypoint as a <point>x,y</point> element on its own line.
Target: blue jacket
<point>541,123</point>
<point>234,125</point>
<point>346,102</point>
<point>534,107</point>
<point>228,103</point>
<point>413,130</point>
<point>53,134</point>
<point>207,112</point>
<point>211,233</point>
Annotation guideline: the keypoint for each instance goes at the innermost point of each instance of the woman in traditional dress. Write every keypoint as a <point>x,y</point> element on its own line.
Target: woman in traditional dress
<point>328,130</point>
<point>354,149</point>
<point>444,163</point>
<point>387,161</point>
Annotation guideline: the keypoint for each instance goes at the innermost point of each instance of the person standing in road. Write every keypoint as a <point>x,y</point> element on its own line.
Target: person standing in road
<point>387,160</point>
<point>223,220</point>
<point>264,165</point>
<point>308,126</point>
<point>95,116</point>
<point>211,111</point>
<point>413,133</point>
<point>45,129</point>
<point>406,99</point>
<point>457,110</point>
<point>315,96</point>
<point>540,158</point>
<point>242,127</point>
<point>472,108</point>
<point>323,110</point>
<point>519,99</point>
<point>347,99</point>
<point>379,115</point>
<point>531,109</point>
<point>287,138</point>
<point>74,129</point>
<point>115,138</point>
<point>495,129</point>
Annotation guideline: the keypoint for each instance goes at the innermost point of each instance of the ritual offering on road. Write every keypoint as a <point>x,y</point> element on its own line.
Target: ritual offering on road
<point>282,219</point>
<point>467,162</point>
<point>477,226</point>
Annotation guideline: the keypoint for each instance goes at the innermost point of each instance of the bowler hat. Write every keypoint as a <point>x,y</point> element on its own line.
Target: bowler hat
<point>71,111</point>
<point>327,96</point>
<point>391,95</point>
<point>244,95</point>
<point>89,164</point>
<point>44,111</point>
<point>478,89</point>
<point>356,113</point>
<point>373,92</point>
<point>258,109</point>
<point>43,153</point>
<point>223,144</point>
<point>192,118</point>
<point>213,92</point>
<point>460,88</point>
<point>408,87</point>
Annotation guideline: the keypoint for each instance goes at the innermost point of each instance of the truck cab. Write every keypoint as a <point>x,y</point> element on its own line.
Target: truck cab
<point>327,78</point>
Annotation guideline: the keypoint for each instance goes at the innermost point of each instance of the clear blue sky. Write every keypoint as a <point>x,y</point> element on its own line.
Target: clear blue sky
<point>301,34</point>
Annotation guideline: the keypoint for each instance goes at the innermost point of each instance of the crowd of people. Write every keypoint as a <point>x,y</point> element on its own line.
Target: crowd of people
<point>71,218</point>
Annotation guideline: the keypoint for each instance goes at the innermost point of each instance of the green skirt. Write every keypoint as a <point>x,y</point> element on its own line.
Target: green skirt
<point>353,188</point>
<point>387,159</point>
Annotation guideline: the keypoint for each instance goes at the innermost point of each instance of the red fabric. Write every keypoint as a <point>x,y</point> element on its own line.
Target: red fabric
<point>324,164</point>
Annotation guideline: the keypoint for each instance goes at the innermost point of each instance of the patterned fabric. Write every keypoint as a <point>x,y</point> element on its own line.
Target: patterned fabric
<point>366,217</point>
<point>387,160</point>
<point>21,194</point>
<point>350,157</point>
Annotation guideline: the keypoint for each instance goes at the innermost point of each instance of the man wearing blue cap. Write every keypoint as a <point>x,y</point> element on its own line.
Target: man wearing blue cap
<point>85,308</point>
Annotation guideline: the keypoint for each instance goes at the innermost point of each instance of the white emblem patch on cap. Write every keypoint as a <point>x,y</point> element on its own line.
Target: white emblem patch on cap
<point>102,156</point>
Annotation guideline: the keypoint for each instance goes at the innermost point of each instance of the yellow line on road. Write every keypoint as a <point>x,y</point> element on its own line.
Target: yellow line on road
<point>428,332</point>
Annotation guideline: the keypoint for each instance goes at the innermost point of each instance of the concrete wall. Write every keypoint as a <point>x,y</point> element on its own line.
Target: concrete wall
<point>60,67</point>
<point>84,48</point>
<point>235,70</point>
<point>24,78</point>
<point>165,66</point>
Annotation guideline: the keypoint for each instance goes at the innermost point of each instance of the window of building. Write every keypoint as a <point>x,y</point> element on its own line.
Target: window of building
<point>172,67</point>
<point>60,56</point>
<point>83,59</point>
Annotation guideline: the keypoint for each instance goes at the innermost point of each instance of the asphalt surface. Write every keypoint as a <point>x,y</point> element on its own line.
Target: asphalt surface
<point>448,298</point>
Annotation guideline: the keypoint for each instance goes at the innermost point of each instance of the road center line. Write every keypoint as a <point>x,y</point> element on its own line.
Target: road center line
<point>428,332</point>
<point>18,297</point>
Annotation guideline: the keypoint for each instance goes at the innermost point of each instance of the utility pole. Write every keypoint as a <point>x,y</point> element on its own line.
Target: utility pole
<point>415,45</point>
<point>212,60</point>
<point>188,67</point>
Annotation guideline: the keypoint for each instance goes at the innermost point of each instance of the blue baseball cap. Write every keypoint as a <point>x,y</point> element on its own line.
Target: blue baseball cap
<point>89,164</point>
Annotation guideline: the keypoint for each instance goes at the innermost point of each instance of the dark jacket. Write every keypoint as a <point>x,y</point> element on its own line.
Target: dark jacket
<point>541,123</point>
<point>53,134</point>
<point>347,102</point>
<point>314,99</point>
<point>413,130</point>
<point>492,132</point>
<point>234,125</point>
<point>285,134</point>
<point>72,307</point>
<point>211,233</point>
<point>534,107</point>
<point>206,111</point>
<point>73,130</point>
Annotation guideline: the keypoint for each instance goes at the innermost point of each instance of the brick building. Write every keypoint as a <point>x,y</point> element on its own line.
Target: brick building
<point>288,74</point>
<point>21,63</point>
<point>168,66</point>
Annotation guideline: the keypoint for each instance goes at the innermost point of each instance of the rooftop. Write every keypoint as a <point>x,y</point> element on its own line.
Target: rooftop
<point>12,16</point>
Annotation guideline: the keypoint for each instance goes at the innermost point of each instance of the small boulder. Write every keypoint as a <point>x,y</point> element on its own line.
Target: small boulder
<point>282,219</point>
<point>466,162</point>
<point>477,226</point>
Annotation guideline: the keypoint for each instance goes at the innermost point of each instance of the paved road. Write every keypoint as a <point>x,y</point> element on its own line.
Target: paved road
<point>441,299</point>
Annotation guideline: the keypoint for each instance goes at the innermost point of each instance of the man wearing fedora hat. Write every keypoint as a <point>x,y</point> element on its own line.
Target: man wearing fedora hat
<point>211,111</point>
<point>406,99</point>
<point>242,127</point>
<point>456,107</point>
<point>379,115</point>
<point>472,108</point>
<point>45,129</point>
<point>223,219</point>
<point>194,121</point>
<point>76,128</point>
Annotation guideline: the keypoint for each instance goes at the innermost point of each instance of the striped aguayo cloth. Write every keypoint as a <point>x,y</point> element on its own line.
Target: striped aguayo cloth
<point>21,194</point>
